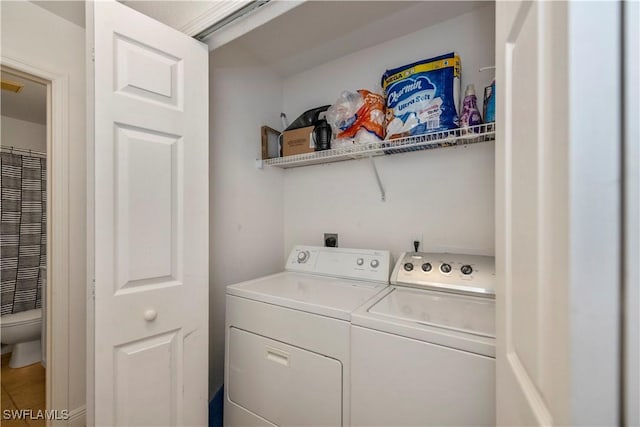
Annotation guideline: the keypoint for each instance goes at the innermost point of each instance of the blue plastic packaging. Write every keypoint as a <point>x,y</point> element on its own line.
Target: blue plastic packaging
<point>422,97</point>
<point>490,103</point>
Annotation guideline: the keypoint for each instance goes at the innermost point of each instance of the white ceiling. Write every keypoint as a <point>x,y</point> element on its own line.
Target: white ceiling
<point>176,14</point>
<point>298,31</point>
<point>29,105</point>
<point>298,43</point>
<point>72,11</point>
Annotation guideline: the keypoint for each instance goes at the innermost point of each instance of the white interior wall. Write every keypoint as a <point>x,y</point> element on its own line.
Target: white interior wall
<point>471,35</point>
<point>246,211</point>
<point>37,37</point>
<point>445,197</point>
<point>23,134</point>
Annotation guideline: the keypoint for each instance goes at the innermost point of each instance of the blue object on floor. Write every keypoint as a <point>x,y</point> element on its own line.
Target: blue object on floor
<point>215,408</point>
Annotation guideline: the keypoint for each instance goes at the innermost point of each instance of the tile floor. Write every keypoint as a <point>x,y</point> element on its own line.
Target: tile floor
<point>22,388</point>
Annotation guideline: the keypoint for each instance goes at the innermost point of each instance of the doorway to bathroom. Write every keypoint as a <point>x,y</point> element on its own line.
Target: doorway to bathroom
<point>23,241</point>
<point>34,239</point>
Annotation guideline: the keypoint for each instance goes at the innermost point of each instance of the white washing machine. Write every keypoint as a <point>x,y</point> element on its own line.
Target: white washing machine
<point>423,351</point>
<point>288,337</point>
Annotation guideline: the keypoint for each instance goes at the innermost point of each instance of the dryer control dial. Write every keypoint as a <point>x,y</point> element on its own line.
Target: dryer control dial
<point>374,263</point>
<point>303,256</point>
<point>426,267</point>
<point>408,266</point>
<point>445,268</point>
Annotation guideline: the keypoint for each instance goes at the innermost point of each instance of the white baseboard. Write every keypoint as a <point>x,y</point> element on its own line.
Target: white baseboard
<point>78,417</point>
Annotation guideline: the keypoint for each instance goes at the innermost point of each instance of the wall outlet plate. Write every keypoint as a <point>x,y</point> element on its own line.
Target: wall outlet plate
<point>331,240</point>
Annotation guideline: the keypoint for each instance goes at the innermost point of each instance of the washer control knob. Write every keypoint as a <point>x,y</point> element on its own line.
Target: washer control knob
<point>303,256</point>
<point>360,261</point>
<point>426,267</point>
<point>466,269</point>
<point>445,268</point>
<point>408,266</point>
<point>375,263</point>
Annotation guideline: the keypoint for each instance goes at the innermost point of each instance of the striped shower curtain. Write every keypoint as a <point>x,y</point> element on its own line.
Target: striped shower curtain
<point>23,245</point>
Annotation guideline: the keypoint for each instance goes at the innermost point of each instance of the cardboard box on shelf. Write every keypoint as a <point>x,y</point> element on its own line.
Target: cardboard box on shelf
<point>270,142</point>
<point>297,141</point>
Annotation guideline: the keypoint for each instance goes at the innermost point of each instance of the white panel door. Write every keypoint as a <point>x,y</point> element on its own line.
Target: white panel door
<point>148,357</point>
<point>557,213</point>
<point>632,213</point>
<point>521,190</point>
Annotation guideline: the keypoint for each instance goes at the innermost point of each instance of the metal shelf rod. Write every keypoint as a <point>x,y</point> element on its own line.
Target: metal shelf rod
<point>383,196</point>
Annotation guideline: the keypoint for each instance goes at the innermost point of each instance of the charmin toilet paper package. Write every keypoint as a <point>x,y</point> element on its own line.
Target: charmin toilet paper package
<point>422,97</point>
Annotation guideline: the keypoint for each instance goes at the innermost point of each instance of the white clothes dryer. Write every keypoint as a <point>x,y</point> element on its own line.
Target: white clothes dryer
<point>423,351</point>
<point>287,337</point>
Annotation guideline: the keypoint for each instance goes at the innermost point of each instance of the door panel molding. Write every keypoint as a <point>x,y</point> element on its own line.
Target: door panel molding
<point>161,75</point>
<point>154,359</point>
<point>523,199</point>
<point>538,407</point>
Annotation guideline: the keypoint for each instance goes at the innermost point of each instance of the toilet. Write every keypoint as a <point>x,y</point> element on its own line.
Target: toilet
<point>22,330</point>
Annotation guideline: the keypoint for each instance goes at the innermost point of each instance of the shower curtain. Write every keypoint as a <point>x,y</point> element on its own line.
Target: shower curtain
<point>23,245</point>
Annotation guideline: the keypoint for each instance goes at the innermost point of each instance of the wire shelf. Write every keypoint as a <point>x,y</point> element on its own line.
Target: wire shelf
<point>428,141</point>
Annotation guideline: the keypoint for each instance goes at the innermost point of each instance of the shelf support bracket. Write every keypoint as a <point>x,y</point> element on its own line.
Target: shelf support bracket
<point>383,196</point>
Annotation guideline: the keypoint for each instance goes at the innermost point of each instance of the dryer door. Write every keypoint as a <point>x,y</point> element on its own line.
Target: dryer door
<point>285,385</point>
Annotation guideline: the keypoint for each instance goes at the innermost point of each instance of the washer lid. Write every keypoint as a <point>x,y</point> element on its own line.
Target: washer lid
<point>461,313</point>
<point>326,296</point>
